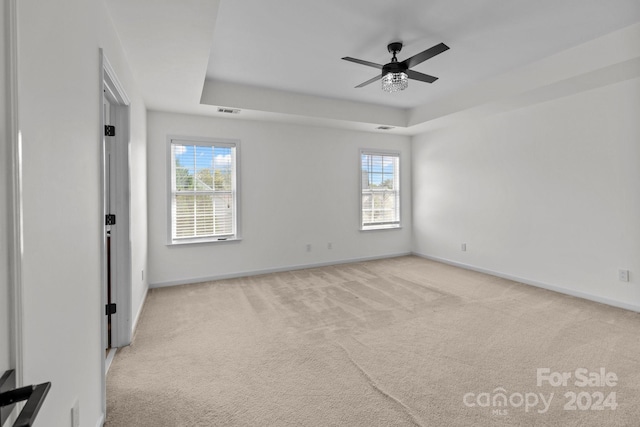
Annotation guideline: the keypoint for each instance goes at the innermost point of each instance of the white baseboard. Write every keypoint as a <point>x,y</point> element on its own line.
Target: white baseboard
<point>109,359</point>
<point>271,270</point>
<point>100,422</point>
<point>559,289</point>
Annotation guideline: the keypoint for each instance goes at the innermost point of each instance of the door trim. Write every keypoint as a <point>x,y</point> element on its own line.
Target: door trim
<point>16,197</point>
<point>121,325</point>
<point>121,278</point>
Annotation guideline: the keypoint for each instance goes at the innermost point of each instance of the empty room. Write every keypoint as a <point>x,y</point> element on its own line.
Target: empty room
<point>320,213</point>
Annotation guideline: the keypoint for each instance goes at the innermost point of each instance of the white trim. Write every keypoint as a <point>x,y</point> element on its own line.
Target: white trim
<point>15,190</point>
<point>200,241</point>
<point>117,91</point>
<point>272,270</point>
<point>381,227</point>
<point>121,242</point>
<point>121,330</point>
<point>109,359</point>
<point>555,288</point>
<point>103,264</point>
<point>100,422</point>
<point>380,152</point>
<point>204,141</point>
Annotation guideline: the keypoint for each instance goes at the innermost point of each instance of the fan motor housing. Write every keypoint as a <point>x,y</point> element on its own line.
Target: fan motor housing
<point>394,67</point>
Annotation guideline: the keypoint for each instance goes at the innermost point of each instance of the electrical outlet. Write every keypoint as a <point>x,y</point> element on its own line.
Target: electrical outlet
<point>463,247</point>
<point>329,245</point>
<point>623,275</point>
<point>75,414</point>
<point>308,247</point>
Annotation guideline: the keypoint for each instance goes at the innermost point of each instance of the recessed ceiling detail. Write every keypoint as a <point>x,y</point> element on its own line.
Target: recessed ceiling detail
<point>280,60</point>
<point>291,45</point>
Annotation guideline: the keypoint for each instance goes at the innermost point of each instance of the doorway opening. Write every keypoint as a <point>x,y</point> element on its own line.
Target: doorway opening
<point>109,174</point>
<point>116,246</point>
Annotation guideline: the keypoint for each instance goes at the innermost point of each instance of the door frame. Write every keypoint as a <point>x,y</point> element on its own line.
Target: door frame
<point>15,235</point>
<point>121,324</point>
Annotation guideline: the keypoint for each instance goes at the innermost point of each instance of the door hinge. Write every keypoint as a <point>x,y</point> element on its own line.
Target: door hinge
<point>109,219</point>
<point>109,130</point>
<point>109,309</point>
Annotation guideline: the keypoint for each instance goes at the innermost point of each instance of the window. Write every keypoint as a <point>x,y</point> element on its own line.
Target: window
<point>380,190</point>
<point>203,200</point>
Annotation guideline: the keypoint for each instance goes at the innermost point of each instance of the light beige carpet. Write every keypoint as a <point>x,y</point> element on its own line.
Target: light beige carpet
<point>396,342</point>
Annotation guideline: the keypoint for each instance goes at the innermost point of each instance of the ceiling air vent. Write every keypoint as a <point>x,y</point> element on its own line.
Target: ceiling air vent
<point>228,110</point>
<point>384,127</point>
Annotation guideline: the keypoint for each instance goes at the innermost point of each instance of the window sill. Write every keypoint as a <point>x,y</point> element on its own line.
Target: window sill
<point>381,227</point>
<point>204,241</point>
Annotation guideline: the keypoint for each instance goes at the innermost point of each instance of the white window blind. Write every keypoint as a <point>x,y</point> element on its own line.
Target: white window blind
<point>380,190</point>
<point>203,190</point>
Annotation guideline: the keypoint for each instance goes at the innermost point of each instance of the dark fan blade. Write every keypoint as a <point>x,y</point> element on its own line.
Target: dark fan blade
<point>423,56</point>
<point>360,61</point>
<point>378,77</point>
<point>422,77</point>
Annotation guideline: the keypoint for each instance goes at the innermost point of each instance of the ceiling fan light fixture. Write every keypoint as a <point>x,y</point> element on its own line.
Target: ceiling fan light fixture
<point>395,74</point>
<point>395,82</point>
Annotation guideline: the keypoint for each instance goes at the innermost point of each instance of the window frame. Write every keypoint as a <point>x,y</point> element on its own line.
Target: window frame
<point>397,176</point>
<point>205,142</point>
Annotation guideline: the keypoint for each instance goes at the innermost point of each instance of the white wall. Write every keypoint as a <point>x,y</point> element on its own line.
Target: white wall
<point>299,186</point>
<point>60,97</point>
<point>548,193</point>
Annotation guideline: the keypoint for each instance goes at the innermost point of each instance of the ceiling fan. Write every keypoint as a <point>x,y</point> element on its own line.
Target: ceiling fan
<point>395,75</point>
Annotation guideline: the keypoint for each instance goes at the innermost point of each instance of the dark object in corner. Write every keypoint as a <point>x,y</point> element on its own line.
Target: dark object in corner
<point>9,395</point>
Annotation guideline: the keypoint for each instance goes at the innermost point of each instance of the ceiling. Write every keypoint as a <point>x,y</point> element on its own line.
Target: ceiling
<point>281,59</point>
